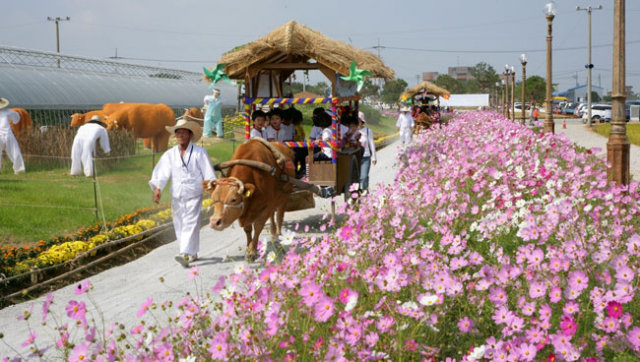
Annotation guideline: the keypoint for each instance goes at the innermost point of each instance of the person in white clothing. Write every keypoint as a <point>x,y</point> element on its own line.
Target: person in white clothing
<point>84,146</point>
<point>275,132</point>
<point>405,125</point>
<point>186,165</point>
<point>324,153</point>
<point>213,114</point>
<point>8,141</point>
<point>369,155</point>
<point>259,118</point>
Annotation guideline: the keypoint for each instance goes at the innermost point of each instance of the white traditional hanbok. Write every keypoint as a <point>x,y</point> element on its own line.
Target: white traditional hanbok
<point>186,174</point>
<point>405,123</point>
<point>8,142</point>
<point>84,147</point>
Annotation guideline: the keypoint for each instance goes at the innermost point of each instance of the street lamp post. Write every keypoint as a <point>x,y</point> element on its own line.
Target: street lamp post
<point>507,74</point>
<point>504,99</point>
<point>497,93</point>
<point>513,87</point>
<point>550,13</point>
<point>589,66</point>
<point>58,20</point>
<point>523,61</point>
<point>618,144</point>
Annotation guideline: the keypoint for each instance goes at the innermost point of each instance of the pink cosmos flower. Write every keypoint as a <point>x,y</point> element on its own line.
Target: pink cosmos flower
<point>465,324</point>
<point>634,338</point>
<point>555,295</point>
<point>83,287</point>
<point>76,310</point>
<point>30,340</point>
<point>46,305</point>
<point>310,293</point>
<point>610,324</point>
<point>498,296</point>
<point>624,273</point>
<point>193,273</point>
<point>614,309</point>
<point>578,280</point>
<point>80,353</point>
<point>219,285</point>
<point>137,329</point>
<point>568,325</point>
<point>323,309</point>
<point>537,290</point>
<point>145,307</point>
<point>218,348</point>
<point>527,352</point>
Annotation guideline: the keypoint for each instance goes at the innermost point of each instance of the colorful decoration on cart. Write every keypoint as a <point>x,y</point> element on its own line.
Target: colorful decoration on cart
<point>216,75</point>
<point>271,101</point>
<point>356,75</point>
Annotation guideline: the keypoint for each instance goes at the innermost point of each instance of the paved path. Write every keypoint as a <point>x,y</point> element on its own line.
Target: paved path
<point>581,135</point>
<point>120,291</point>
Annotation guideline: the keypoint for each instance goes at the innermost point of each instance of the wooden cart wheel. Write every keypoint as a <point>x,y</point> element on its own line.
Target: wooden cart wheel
<point>354,176</point>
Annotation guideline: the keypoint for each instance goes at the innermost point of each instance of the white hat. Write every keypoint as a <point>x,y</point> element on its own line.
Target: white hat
<point>3,103</point>
<point>216,90</point>
<point>405,108</point>
<point>190,125</point>
<point>96,119</point>
<point>361,116</point>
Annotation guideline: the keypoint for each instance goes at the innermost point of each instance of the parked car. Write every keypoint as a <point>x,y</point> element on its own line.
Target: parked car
<point>569,108</point>
<point>516,105</point>
<point>627,106</point>
<point>599,112</point>
<point>580,109</point>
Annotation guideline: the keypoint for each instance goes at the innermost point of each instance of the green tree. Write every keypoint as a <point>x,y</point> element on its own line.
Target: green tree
<point>471,87</point>
<point>485,76</point>
<point>369,89</point>
<point>595,97</point>
<point>449,83</point>
<point>321,89</point>
<point>536,89</point>
<point>392,90</point>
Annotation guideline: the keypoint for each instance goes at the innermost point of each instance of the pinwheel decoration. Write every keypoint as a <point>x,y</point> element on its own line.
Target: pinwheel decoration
<point>356,75</point>
<point>216,74</point>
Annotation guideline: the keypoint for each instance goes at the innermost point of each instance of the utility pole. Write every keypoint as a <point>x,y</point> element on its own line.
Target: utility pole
<point>58,20</point>
<point>589,66</point>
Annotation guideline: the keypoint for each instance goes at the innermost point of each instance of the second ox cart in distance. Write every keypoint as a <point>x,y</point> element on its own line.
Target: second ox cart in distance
<point>265,65</point>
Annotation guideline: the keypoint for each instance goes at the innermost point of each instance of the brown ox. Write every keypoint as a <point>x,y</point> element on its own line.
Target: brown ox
<point>25,121</point>
<point>146,121</point>
<point>251,195</point>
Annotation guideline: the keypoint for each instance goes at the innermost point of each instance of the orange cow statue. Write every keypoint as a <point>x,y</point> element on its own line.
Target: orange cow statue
<point>146,121</point>
<point>79,119</point>
<point>250,195</point>
<point>194,114</point>
<point>25,121</point>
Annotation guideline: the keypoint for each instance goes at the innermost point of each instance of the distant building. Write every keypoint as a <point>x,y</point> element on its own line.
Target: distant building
<point>461,73</point>
<point>579,93</point>
<point>430,76</point>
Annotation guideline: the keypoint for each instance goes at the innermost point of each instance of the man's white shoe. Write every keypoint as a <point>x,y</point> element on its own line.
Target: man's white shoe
<point>183,260</point>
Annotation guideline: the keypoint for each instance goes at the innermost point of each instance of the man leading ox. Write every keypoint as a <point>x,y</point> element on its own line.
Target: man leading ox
<point>187,165</point>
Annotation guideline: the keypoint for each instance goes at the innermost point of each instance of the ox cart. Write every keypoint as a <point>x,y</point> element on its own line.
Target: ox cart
<point>265,65</point>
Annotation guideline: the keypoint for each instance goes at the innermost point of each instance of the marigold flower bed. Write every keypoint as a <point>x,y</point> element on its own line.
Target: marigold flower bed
<point>495,243</point>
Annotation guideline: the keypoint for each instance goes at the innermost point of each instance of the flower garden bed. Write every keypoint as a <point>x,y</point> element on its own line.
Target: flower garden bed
<point>495,243</point>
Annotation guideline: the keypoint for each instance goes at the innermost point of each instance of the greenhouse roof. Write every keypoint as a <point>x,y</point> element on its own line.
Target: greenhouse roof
<point>33,80</point>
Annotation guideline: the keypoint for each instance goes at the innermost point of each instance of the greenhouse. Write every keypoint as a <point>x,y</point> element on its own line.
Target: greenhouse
<point>51,87</point>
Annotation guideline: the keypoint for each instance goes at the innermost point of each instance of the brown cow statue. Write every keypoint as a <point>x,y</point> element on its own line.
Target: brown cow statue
<point>251,195</point>
<point>194,114</point>
<point>79,119</point>
<point>25,121</point>
<point>146,121</point>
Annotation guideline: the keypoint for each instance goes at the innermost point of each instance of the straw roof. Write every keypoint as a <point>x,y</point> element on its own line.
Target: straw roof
<point>425,87</point>
<point>296,43</point>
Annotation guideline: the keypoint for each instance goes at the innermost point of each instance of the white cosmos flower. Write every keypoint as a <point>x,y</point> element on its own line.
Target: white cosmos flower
<point>428,300</point>
<point>240,268</point>
<point>188,359</point>
<point>227,292</point>
<point>478,353</point>
<point>149,339</point>
<point>351,303</point>
<point>271,257</point>
<point>287,237</point>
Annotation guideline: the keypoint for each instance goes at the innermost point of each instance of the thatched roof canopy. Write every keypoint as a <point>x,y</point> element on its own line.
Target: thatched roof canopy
<point>295,43</point>
<point>425,87</point>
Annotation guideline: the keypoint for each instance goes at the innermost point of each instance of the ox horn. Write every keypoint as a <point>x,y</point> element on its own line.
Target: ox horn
<point>240,187</point>
<point>211,184</point>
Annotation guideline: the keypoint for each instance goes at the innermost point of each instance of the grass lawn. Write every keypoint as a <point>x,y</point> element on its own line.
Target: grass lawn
<point>48,202</point>
<point>633,132</point>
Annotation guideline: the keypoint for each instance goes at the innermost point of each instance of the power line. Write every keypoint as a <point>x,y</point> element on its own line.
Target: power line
<point>497,51</point>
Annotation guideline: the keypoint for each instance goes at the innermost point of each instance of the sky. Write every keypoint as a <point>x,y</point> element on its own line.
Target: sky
<point>415,36</point>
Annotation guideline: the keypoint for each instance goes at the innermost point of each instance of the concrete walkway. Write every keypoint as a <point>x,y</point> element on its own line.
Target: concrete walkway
<point>583,136</point>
